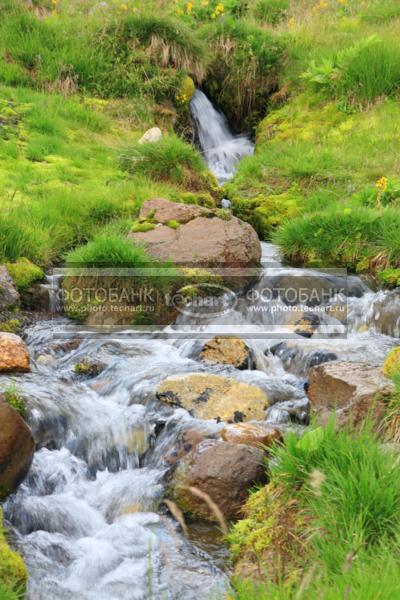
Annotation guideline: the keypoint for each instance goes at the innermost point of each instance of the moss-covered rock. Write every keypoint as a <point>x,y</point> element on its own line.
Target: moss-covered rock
<point>391,366</point>
<point>10,326</point>
<point>266,212</point>
<point>186,90</point>
<point>142,226</point>
<point>14,399</point>
<point>13,571</point>
<point>390,277</point>
<point>270,542</point>
<point>24,273</point>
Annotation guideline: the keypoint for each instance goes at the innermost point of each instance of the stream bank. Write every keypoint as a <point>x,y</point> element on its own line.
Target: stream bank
<point>89,517</point>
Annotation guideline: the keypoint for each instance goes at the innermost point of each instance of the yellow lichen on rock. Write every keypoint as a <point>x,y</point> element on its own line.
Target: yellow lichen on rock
<point>214,397</point>
<point>13,571</point>
<point>391,366</point>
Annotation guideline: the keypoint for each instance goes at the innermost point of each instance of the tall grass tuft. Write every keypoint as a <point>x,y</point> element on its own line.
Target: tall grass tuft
<point>169,159</point>
<point>352,237</point>
<point>361,73</point>
<point>110,250</point>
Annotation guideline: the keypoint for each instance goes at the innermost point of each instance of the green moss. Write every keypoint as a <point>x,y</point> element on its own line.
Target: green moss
<point>11,326</point>
<point>224,214</point>
<point>87,369</point>
<point>266,213</point>
<point>200,199</point>
<point>186,91</point>
<point>173,224</point>
<point>24,273</point>
<point>142,226</point>
<point>390,277</point>
<point>15,400</point>
<point>13,572</point>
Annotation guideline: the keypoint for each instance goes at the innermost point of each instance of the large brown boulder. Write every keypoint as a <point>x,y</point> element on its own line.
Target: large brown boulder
<point>214,397</point>
<point>222,470</point>
<point>352,390</point>
<point>9,296</point>
<point>16,448</point>
<point>228,351</point>
<point>202,239</point>
<point>14,355</point>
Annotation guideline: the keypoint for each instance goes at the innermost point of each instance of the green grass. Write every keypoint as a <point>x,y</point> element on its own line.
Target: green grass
<point>271,11</point>
<point>170,159</point>
<point>358,237</point>
<point>347,486</point>
<point>15,400</point>
<point>244,72</point>
<point>110,250</point>
<point>60,181</point>
<point>360,73</point>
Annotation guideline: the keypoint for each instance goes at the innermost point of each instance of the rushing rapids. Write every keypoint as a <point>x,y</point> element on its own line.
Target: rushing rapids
<point>89,518</point>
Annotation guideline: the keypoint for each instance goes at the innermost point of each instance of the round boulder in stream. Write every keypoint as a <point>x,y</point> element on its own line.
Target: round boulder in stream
<point>16,448</point>
<point>223,473</point>
<point>207,396</point>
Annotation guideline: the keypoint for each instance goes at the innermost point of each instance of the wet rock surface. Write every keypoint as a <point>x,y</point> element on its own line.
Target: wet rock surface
<point>251,434</point>
<point>14,355</point>
<point>9,295</point>
<point>352,390</point>
<point>16,448</point>
<point>224,471</point>
<point>228,351</point>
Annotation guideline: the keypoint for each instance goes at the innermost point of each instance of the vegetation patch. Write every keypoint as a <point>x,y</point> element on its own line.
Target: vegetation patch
<point>24,273</point>
<point>13,572</point>
<point>15,400</point>
<point>351,506</point>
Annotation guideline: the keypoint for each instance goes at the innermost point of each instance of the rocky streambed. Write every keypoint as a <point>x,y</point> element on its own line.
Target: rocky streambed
<point>141,448</point>
<point>158,417</point>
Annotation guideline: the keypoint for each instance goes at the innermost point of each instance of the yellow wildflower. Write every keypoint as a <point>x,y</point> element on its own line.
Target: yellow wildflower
<point>382,184</point>
<point>189,8</point>
<point>219,8</point>
<point>124,7</point>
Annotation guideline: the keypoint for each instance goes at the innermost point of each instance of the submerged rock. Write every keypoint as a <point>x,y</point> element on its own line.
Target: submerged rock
<point>214,397</point>
<point>9,296</point>
<point>352,390</point>
<point>14,355</point>
<point>203,240</point>
<point>224,471</point>
<point>16,448</point>
<point>228,351</point>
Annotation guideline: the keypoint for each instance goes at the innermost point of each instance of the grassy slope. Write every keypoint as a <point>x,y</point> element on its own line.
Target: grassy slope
<point>326,526</point>
<point>322,152</point>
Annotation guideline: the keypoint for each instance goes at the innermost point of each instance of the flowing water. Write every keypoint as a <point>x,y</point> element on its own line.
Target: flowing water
<point>220,148</point>
<point>89,518</point>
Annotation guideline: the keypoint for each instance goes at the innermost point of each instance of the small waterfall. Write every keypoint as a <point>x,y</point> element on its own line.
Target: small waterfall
<point>53,285</point>
<point>221,149</point>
